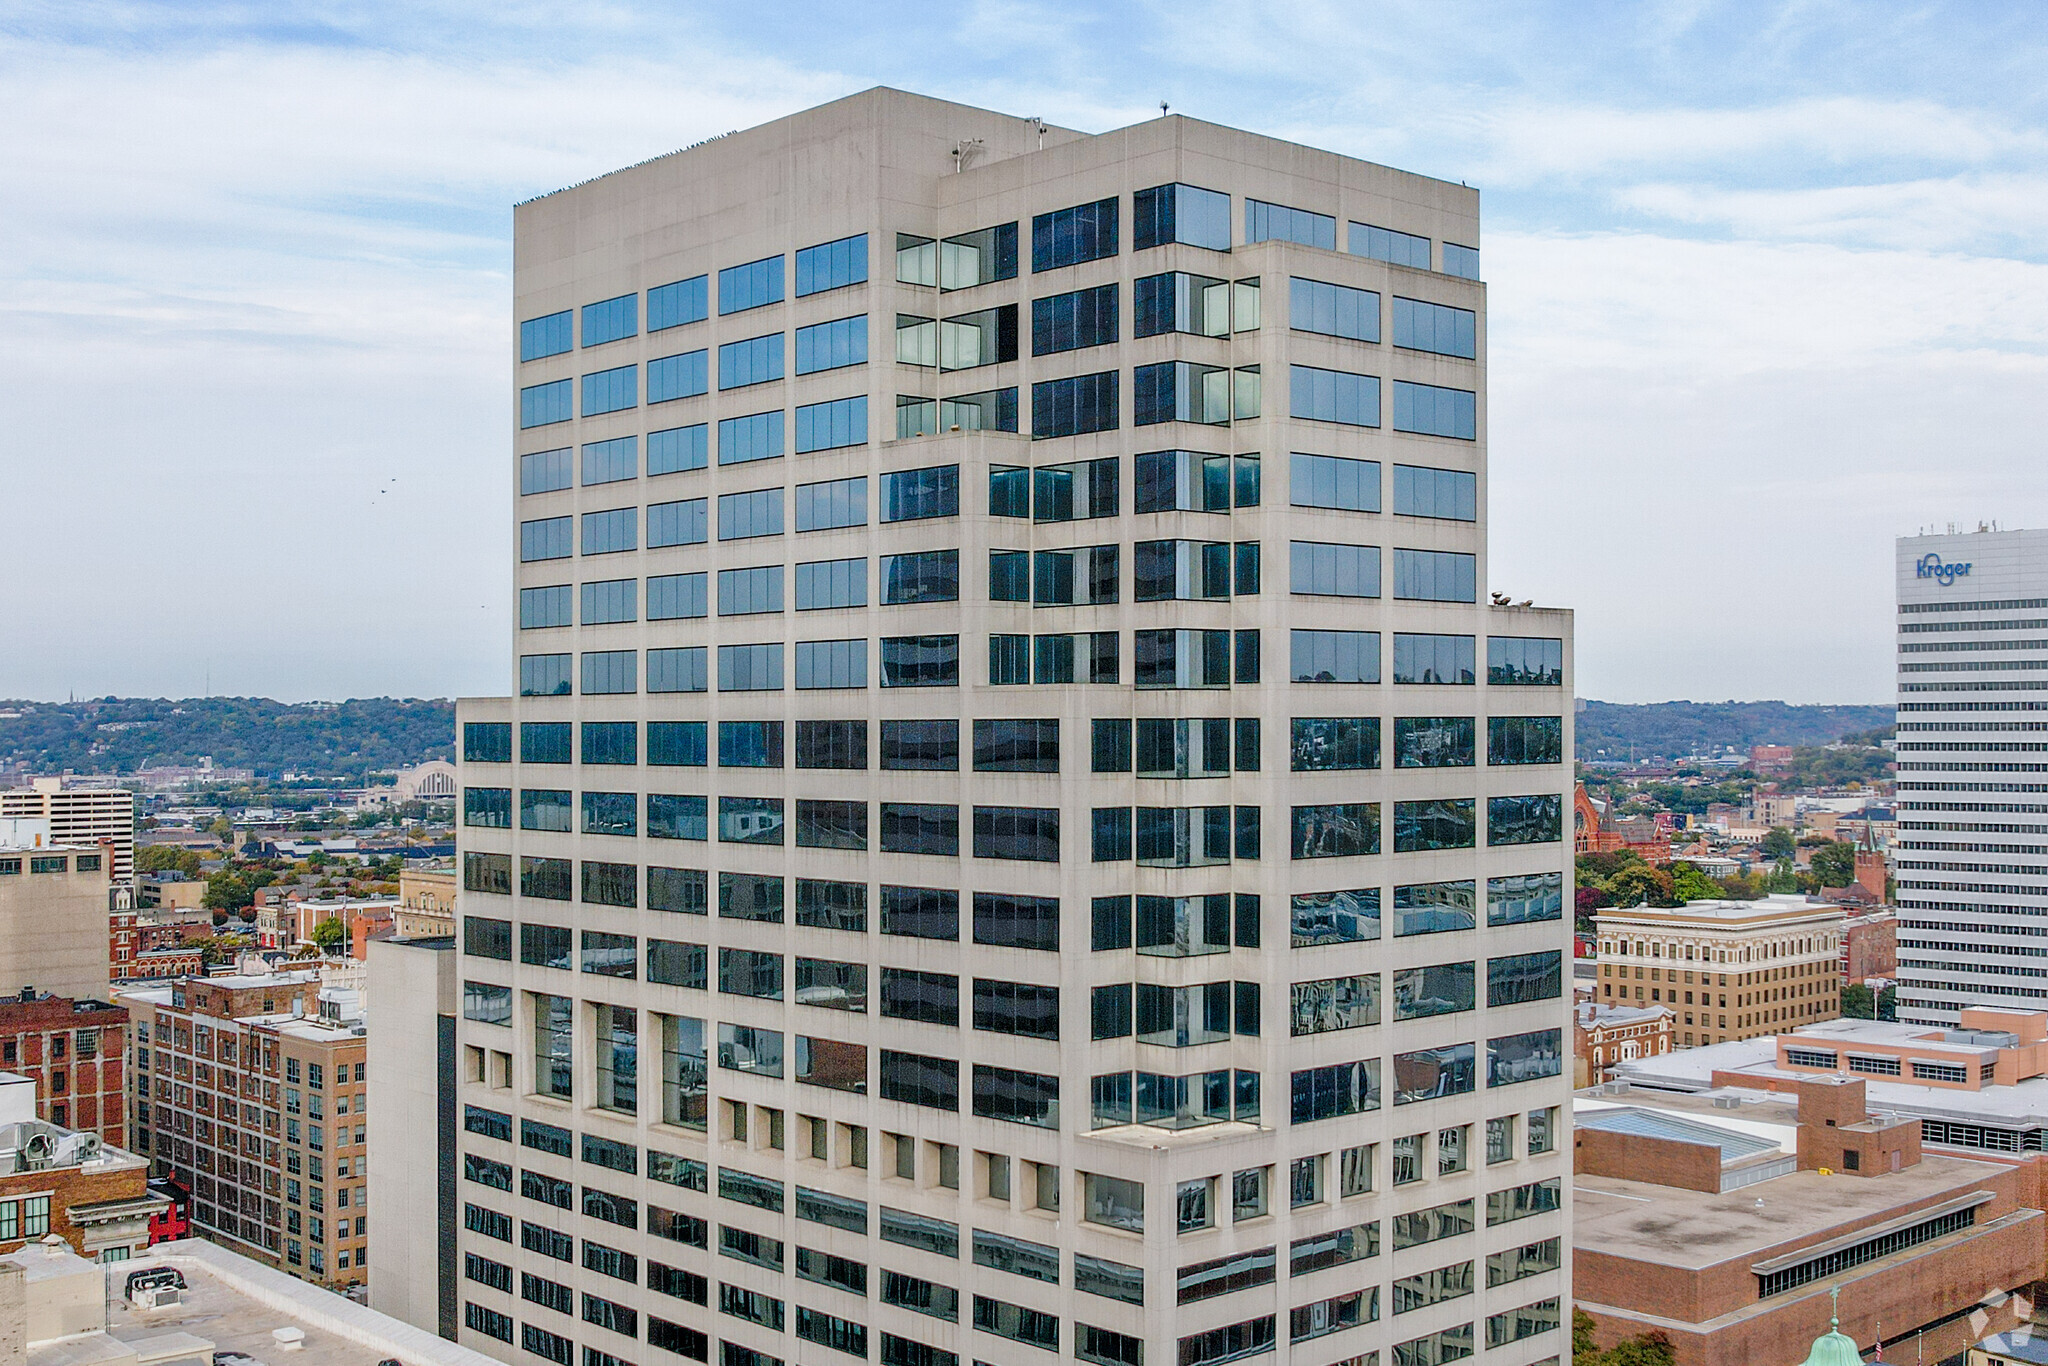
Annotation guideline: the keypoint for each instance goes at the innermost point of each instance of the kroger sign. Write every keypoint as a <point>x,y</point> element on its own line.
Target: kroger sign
<point>1931,566</point>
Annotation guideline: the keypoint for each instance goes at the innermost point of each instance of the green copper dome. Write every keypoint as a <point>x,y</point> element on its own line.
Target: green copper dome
<point>1834,1348</point>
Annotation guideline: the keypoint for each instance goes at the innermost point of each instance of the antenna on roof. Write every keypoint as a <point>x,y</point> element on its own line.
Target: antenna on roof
<point>1163,106</point>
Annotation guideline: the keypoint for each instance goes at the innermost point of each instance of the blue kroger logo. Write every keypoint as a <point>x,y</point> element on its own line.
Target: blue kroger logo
<point>1931,566</point>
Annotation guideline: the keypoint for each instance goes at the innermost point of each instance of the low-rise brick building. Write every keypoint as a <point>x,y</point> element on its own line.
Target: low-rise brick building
<point>55,1180</point>
<point>1726,1224</point>
<point>1603,1035</point>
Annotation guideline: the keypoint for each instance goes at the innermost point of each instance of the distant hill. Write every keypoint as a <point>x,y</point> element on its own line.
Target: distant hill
<point>1671,729</point>
<point>122,734</point>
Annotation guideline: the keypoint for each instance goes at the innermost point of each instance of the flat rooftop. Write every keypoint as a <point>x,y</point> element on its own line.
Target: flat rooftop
<point>236,1304</point>
<point>1773,907</point>
<point>2020,1106</point>
<point>1693,1230</point>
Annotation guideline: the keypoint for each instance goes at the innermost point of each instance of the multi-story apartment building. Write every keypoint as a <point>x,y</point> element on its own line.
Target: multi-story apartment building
<point>1970,859</point>
<point>55,916</point>
<point>75,1052</point>
<point>1136,850</point>
<point>1742,968</point>
<point>80,815</point>
<point>249,1095</point>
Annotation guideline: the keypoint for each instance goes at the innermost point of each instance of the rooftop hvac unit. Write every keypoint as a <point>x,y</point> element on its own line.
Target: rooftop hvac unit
<point>1727,1102</point>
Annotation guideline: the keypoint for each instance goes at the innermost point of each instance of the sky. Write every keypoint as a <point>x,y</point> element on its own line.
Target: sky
<point>1768,286</point>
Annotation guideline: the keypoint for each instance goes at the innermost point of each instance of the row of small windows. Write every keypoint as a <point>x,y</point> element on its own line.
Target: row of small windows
<point>1150,747</point>
<point>828,266</point>
<point>1163,659</point>
<point>1341,311</point>
<point>1152,926</point>
<point>1085,490</point>
<point>1163,571</point>
<point>1169,391</point>
<point>1159,837</point>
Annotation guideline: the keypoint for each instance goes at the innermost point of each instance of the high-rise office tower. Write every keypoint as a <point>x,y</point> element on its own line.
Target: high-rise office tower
<point>79,814</point>
<point>1020,835</point>
<point>1971,859</point>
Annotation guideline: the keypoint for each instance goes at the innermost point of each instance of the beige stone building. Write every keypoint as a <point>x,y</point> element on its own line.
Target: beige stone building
<point>53,913</point>
<point>1020,831</point>
<point>248,1092</point>
<point>1728,969</point>
<point>426,902</point>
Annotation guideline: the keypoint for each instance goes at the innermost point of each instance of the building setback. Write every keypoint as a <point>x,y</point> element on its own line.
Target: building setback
<point>1019,831</point>
<point>1970,862</point>
<point>248,1095</point>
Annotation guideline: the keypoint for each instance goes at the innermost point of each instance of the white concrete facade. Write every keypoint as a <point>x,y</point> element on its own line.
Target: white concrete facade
<point>994,1156</point>
<point>1971,853</point>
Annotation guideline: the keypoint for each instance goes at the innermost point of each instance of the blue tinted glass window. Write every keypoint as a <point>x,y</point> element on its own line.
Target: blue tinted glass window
<point>542,404</point>
<point>680,670</point>
<point>677,449</point>
<point>1436,576</point>
<point>745,592</point>
<point>752,285</point>
<point>546,471</point>
<point>611,319</point>
<point>1385,244</point>
<point>1069,322</point>
<point>673,597</point>
<point>544,676</point>
<point>1337,310</point>
<point>546,539</point>
<point>1462,262</point>
<point>1330,481</point>
<point>758,436</point>
<point>831,664</point>
<point>609,671</point>
<point>607,462</point>
<point>1329,570</point>
<point>750,668</point>
<point>757,512</point>
<point>613,530</point>
<point>1066,237</point>
<point>1435,411</point>
<point>1333,396</point>
<point>829,346</point>
<point>835,503</point>
<point>909,495</point>
<point>1276,222</point>
<point>1334,656</point>
<point>1423,326</point>
<point>679,376</point>
<point>539,607</point>
<point>676,744</point>
<point>1519,661</point>
<point>548,336</point>
<point>611,391</point>
<point>831,583</point>
<point>1537,819</point>
<point>677,523</point>
<point>1070,407</point>
<point>1180,213</point>
<point>544,742</point>
<point>1420,491</point>
<point>1431,658</point>
<point>610,601</point>
<point>829,426</point>
<point>675,304</point>
<point>753,361</point>
<point>832,265</point>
